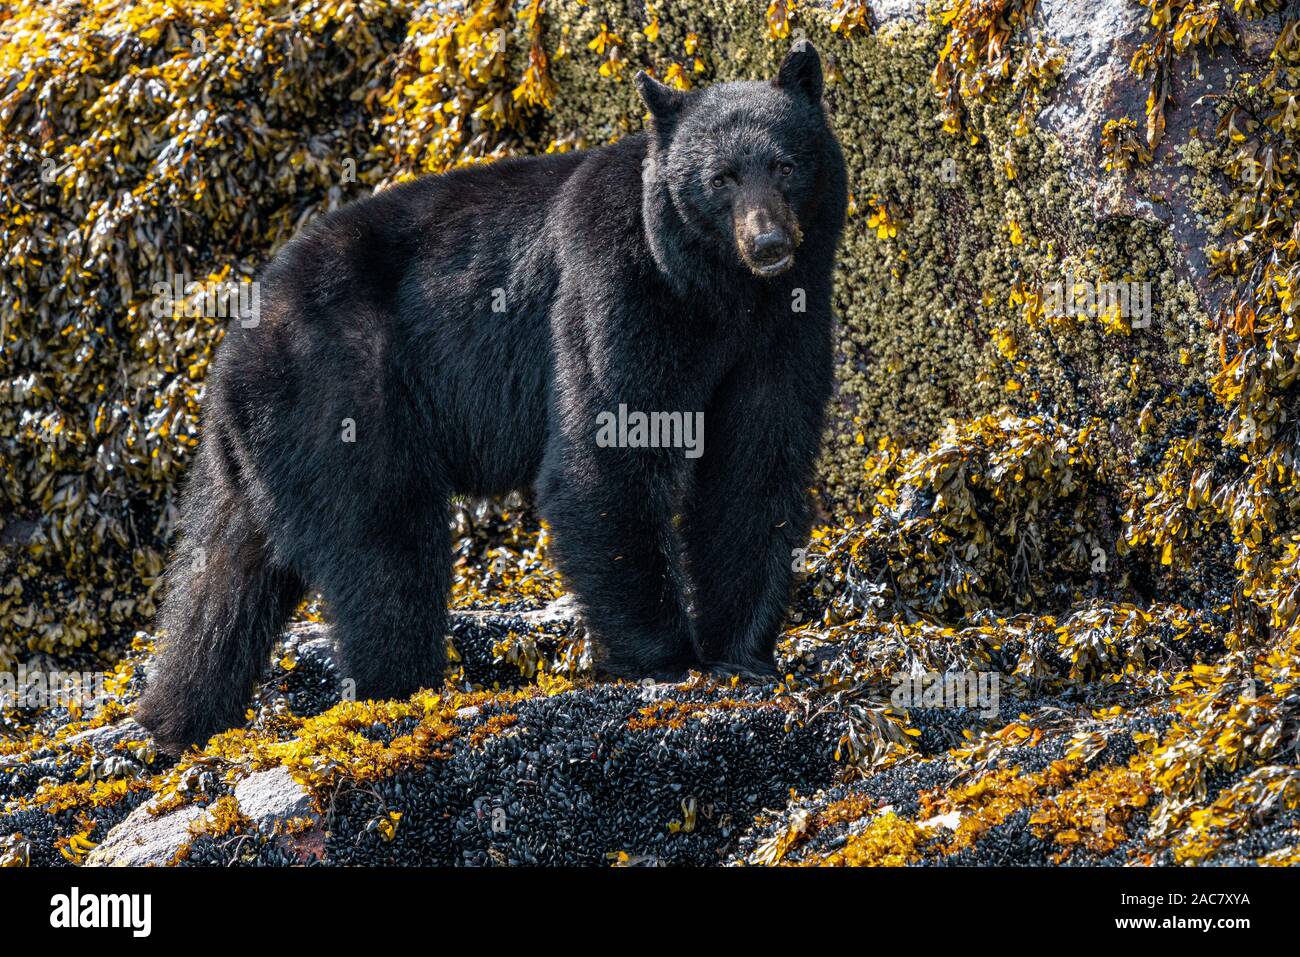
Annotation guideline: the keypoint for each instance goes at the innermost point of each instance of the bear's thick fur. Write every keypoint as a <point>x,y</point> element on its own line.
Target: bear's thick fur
<point>475,333</point>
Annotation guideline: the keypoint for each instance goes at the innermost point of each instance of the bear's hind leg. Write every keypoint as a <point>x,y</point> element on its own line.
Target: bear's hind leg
<point>386,596</point>
<point>226,602</point>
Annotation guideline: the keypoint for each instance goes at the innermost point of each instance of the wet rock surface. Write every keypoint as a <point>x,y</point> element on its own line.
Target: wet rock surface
<point>543,770</point>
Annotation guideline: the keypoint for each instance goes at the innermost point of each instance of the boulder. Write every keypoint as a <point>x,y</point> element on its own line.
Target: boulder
<point>145,838</point>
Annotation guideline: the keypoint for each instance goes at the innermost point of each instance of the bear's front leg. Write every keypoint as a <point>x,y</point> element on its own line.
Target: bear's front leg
<point>749,511</point>
<point>613,542</point>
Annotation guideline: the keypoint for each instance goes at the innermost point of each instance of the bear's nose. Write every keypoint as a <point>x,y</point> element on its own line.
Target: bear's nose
<point>771,246</point>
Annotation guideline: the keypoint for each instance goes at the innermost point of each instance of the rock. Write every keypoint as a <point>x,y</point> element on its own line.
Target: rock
<point>1096,84</point>
<point>889,11</point>
<point>272,799</point>
<point>270,795</point>
<point>145,839</point>
<point>564,608</point>
<point>104,738</point>
<point>17,531</point>
<point>313,638</point>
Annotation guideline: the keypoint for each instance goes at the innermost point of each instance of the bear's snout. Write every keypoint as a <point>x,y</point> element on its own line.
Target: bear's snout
<point>772,246</point>
<point>766,235</point>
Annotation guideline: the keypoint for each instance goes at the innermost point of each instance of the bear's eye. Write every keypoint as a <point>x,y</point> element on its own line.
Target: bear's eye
<point>785,169</point>
<point>718,181</point>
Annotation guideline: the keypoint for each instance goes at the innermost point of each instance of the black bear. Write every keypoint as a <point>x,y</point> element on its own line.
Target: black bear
<point>568,322</point>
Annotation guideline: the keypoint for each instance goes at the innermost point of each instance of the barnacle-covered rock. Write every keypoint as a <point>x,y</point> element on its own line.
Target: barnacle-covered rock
<point>146,838</point>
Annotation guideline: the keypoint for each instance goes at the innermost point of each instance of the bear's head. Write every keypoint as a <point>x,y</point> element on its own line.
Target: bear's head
<point>743,164</point>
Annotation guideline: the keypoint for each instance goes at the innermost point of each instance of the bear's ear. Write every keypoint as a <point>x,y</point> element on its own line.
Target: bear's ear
<point>663,102</point>
<point>801,71</point>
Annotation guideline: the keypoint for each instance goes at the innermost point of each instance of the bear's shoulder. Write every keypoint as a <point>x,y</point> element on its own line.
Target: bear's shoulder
<point>598,213</point>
